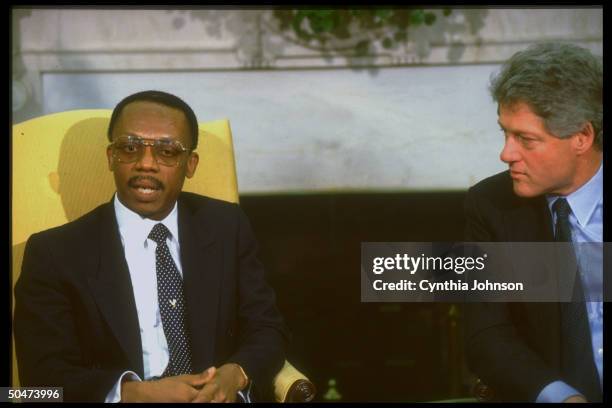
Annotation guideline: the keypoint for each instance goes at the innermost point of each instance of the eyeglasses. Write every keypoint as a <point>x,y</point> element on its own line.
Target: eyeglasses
<point>129,149</point>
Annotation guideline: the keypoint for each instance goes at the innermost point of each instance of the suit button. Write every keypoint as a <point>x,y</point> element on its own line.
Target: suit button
<point>230,333</point>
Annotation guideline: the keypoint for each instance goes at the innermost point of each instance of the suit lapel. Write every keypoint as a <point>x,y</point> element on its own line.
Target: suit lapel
<point>529,220</point>
<point>202,264</point>
<point>112,289</point>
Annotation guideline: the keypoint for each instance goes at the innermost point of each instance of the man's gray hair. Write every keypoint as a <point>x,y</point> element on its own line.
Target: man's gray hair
<point>562,83</point>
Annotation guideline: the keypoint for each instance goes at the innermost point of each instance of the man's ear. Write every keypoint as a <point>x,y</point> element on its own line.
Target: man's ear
<point>192,164</point>
<point>583,140</point>
<point>54,181</point>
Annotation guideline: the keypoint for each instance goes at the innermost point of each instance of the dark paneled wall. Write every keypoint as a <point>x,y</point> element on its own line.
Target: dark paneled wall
<point>311,244</point>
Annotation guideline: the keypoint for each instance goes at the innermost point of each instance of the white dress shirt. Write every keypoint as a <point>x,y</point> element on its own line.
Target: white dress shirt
<point>140,257</point>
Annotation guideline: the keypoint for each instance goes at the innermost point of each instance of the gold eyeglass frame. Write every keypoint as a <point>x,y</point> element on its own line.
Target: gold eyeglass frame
<point>148,142</point>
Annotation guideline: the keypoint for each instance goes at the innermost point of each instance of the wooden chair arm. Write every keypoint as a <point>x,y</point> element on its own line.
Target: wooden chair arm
<point>290,385</point>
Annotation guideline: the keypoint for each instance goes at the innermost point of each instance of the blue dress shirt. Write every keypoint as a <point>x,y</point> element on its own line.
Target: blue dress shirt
<point>586,223</point>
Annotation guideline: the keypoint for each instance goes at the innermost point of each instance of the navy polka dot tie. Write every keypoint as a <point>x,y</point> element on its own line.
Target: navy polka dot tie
<point>171,305</point>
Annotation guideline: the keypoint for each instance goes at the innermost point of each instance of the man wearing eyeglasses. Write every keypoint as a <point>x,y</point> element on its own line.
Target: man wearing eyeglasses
<point>156,295</point>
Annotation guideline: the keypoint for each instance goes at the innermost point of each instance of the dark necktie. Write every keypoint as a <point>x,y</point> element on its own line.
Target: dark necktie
<point>171,305</point>
<point>576,352</point>
<point>562,209</point>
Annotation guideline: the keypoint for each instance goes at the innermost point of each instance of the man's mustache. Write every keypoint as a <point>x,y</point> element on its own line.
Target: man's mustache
<point>136,180</point>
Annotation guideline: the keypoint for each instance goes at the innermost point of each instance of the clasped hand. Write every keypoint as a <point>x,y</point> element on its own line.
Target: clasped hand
<point>212,385</point>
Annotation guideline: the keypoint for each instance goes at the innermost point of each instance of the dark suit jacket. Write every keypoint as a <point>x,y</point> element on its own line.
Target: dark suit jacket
<point>516,347</point>
<point>76,324</point>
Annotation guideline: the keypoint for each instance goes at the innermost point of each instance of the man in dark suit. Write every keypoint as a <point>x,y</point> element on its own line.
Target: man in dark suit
<point>550,111</point>
<point>156,295</point>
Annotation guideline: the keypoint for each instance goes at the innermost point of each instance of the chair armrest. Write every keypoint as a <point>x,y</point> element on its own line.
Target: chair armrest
<point>290,385</point>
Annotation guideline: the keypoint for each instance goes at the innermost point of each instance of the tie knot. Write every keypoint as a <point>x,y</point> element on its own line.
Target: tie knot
<point>159,233</point>
<point>562,208</point>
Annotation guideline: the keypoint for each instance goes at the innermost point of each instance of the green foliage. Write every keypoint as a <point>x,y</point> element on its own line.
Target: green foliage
<point>417,17</point>
<point>430,18</point>
<point>322,25</point>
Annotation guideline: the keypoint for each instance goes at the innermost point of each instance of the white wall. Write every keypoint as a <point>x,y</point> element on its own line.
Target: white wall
<point>328,129</point>
<point>414,118</point>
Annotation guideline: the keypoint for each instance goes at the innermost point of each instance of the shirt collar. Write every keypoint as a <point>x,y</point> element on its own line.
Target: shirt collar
<point>135,228</point>
<point>584,201</point>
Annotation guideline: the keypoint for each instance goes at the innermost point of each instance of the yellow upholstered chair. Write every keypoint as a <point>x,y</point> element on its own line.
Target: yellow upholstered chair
<point>59,172</point>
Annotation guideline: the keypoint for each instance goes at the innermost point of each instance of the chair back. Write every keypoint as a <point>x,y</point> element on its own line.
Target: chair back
<point>60,172</point>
